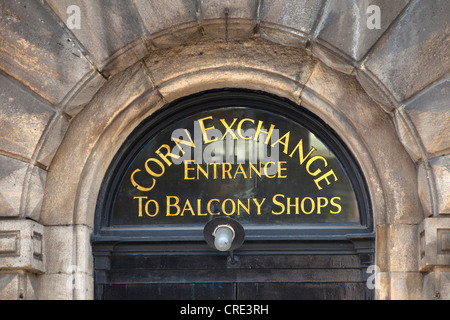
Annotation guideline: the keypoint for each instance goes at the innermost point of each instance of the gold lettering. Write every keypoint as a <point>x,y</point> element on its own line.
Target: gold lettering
<point>289,205</point>
<point>325,176</point>
<point>337,205</point>
<point>285,143</point>
<point>308,164</point>
<point>140,204</point>
<point>239,128</point>
<point>180,141</point>
<point>280,169</point>
<point>302,205</point>
<point>199,208</point>
<point>259,204</point>
<point>265,170</point>
<point>320,205</point>
<point>187,206</point>
<point>139,187</point>
<point>208,206</point>
<point>253,168</point>
<point>241,204</point>
<point>278,203</point>
<point>205,173</point>
<point>202,127</point>
<point>258,131</point>
<point>240,170</point>
<point>164,156</point>
<point>186,169</point>
<point>299,146</point>
<point>233,206</point>
<point>224,170</point>
<point>215,169</point>
<point>228,128</point>
<point>147,168</point>
<point>169,205</point>
<point>156,208</point>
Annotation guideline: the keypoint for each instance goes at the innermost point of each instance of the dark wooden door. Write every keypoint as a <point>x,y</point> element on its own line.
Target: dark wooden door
<point>260,271</point>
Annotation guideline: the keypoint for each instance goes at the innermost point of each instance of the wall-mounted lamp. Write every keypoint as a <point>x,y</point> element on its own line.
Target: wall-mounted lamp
<point>224,234</point>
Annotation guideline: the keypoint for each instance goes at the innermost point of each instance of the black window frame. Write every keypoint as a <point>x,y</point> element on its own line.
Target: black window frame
<point>213,99</point>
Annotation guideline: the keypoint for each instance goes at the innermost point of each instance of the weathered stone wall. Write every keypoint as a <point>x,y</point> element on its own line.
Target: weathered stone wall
<point>67,95</point>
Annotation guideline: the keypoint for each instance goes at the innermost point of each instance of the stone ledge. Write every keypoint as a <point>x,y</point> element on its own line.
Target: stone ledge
<point>434,243</point>
<point>21,246</point>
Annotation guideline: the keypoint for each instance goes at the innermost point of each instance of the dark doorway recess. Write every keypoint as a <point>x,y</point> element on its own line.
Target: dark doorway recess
<point>308,226</point>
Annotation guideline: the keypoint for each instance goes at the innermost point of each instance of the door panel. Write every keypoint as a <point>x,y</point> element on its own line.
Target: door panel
<point>135,273</point>
<point>170,291</point>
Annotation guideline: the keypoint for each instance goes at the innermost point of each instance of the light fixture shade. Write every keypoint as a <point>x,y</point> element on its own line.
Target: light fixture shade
<point>224,236</point>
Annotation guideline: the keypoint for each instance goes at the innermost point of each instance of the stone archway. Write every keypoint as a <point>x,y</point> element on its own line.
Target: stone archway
<point>134,94</point>
<point>364,85</point>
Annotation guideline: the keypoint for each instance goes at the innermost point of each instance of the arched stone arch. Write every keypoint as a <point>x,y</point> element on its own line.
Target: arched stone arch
<point>363,82</point>
<point>99,129</point>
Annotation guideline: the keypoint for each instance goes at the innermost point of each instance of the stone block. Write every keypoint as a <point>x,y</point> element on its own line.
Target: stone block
<point>403,248</point>
<point>18,286</point>
<point>408,135</point>
<point>59,239</point>
<point>63,286</point>
<point>430,114</point>
<point>354,106</point>
<point>24,249</point>
<point>342,34</point>
<point>289,22</point>
<point>63,240</point>
<point>343,26</point>
<point>23,118</point>
<point>83,92</point>
<point>107,29</point>
<point>433,182</point>
<point>332,58</point>
<point>52,139</point>
<point>375,89</point>
<point>414,51</point>
<point>405,285</point>
<point>12,178</point>
<point>209,54</point>
<point>240,23</point>
<point>34,187</point>
<point>21,188</point>
<point>38,52</point>
<point>168,22</point>
<point>69,266</point>
<point>436,285</point>
<point>383,290</point>
<point>56,286</point>
<point>9,284</point>
<point>425,185</point>
<point>440,167</point>
<point>382,247</point>
<point>57,204</point>
<point>214,64</point>
<point>434,240</point>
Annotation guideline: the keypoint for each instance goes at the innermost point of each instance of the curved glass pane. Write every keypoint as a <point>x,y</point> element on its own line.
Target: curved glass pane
<point>250,164</point>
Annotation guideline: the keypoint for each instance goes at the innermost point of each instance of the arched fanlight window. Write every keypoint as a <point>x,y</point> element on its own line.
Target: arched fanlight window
<point>261,160</point>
